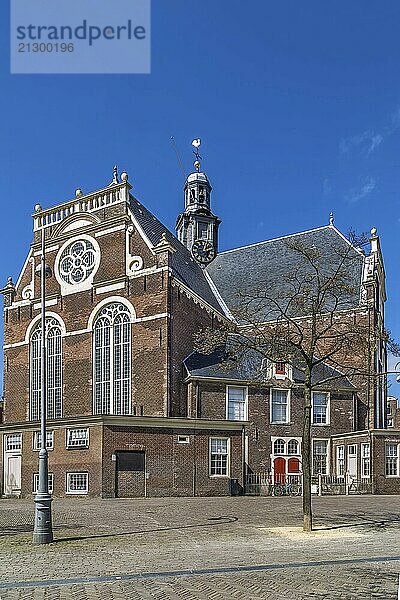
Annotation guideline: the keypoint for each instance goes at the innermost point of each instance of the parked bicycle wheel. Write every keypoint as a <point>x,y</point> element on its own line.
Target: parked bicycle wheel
<point>279,490</point>
<point>295,489</point>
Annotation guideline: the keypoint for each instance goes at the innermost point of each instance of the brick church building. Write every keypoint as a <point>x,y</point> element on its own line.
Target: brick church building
<point>132,408</point>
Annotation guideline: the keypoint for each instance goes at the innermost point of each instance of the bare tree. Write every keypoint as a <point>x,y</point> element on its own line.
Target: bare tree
<point>314,318</point>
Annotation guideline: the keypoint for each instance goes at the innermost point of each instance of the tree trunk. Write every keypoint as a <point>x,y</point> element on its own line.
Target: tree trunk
<point>306,451</point>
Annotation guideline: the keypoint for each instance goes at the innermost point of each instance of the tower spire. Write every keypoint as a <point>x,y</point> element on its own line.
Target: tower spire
<point>197,226</point>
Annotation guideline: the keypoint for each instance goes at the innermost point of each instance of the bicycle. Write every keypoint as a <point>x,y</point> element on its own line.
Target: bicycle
<point>287,489</point>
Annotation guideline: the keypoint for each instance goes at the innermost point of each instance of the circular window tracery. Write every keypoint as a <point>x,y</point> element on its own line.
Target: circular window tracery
<point>77,262</point>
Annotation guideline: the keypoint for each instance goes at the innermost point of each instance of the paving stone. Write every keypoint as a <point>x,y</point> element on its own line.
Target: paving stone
<point>113,538</point>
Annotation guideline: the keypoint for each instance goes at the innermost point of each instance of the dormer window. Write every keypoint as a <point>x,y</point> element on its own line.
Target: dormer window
<point>280,368</point>
<point>276,370</point>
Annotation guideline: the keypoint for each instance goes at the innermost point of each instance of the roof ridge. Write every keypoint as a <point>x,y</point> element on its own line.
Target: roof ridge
<point>282,237</point>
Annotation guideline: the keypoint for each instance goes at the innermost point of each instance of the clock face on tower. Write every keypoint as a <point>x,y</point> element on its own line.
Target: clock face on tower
<point>203,251</point>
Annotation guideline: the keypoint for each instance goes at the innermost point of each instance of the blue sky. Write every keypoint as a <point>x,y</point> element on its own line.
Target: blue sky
<point>297,104</point>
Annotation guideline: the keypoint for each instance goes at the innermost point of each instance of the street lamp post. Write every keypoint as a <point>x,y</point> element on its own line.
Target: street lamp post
<point>43,530</point>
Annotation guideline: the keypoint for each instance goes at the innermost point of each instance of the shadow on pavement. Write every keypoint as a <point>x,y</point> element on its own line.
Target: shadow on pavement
<point>214,521</point>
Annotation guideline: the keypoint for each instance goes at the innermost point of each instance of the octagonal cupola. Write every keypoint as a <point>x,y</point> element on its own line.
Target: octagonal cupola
<point>197,226</point>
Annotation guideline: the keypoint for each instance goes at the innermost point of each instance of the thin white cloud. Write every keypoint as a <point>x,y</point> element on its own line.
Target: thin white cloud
<point>367,185</point>
<point>367,141</point>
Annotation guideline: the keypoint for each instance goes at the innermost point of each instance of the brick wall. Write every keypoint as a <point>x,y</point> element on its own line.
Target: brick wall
<point>171,467</point>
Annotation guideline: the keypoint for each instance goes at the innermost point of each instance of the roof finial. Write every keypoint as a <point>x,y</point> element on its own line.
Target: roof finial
<point>331,218</point>
<point>115,177</point>
<point>196,144</point>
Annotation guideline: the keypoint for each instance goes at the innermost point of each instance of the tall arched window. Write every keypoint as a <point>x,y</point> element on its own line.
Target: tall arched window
<point>53,370</point>
<point>112,361</point>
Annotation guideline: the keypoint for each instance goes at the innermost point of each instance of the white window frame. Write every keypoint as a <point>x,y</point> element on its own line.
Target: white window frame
<point>37,440</point>
<point>328,409</point>
<point>288,395</point>
<point>105,381</point>
<point>243,388</point>
<point>365,459</point>
<point>340,462</point>
<point>228,458</point>
<point>392,456</point>
<point>282,444</point>
<point>69,436</point>
<point>352,452</point>
<point>36,483</point>
<point>54,369</point>
<point>68,483</point>
<point>269,367</point>
<point>326,455</point>
<point>183,439</point>
<point>15,440</point>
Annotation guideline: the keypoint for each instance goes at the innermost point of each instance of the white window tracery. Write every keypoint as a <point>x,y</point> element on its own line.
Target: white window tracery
<point>77,262</point>
<point>112,360</point>
<point>53,370</point>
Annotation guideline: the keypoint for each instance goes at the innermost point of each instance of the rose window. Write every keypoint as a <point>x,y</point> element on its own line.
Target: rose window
<point>77,262</point>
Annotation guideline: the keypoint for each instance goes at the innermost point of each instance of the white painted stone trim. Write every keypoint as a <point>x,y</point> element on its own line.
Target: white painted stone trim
<point>52,302</point>
<point>190,294</point>
<point>49,249</point>
<point>23,269</point>
<point>15,345</point>
<point>110,300</point>
<point>110,288</point>
<point>219,297</point>
<point>109,230</point>
<point>66,288</point>
<point>36,319</point>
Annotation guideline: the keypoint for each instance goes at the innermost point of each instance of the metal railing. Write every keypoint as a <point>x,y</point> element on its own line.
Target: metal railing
<point>345,485</point>
<point>263,484</point>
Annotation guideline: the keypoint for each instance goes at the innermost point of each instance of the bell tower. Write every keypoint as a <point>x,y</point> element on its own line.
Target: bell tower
<point>197,226</point>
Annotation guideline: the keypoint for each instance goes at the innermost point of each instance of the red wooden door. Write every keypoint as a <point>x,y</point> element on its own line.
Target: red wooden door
<point>279,470</point>
<point>293,465</point>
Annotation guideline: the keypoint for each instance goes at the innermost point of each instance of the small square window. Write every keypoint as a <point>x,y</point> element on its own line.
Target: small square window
<point>77,483</point>
<point>13,441</point>
<point>77,438</point>
<point>183,439</point>
<point>352,450</point>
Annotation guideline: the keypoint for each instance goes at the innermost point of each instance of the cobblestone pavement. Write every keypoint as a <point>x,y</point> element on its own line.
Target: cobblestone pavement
<point>203,548</point>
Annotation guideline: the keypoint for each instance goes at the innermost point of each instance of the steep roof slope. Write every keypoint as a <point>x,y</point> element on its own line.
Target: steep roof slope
<point>186,269</point>
<point>269,267</point>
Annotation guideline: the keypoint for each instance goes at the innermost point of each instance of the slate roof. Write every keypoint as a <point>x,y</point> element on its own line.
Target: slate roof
<point>249,369</point>
<point>269,265</point>
<point>186,269</point>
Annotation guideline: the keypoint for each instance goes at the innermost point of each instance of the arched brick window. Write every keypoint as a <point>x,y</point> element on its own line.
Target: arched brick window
<point>112,361</point>
<point>53,370</point>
